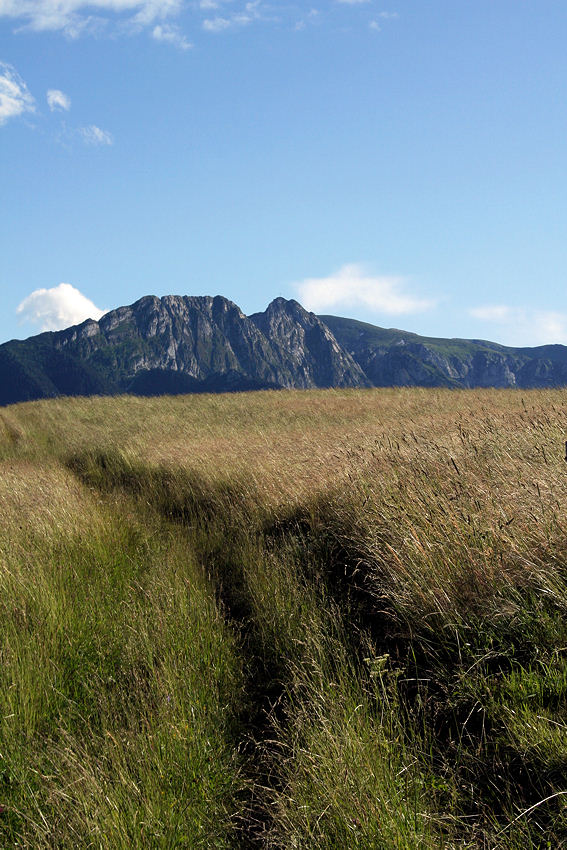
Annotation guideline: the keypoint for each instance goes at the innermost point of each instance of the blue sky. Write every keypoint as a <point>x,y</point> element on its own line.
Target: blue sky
<point>401,162</point>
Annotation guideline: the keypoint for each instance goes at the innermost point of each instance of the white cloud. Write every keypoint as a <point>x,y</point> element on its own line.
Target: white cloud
<point>216,24</point>
<point>219,24</point>
<point>57,308</point>
<point>58,100</point>
<point>311,18</point>
<point>171,34</point>
<point>93,135</point>
<point>74,16</point>
<point>251,12</point>
<point>382,16</point>
<point>495,313</point>
<point>15,98</point>
<point>153,10</point>
<point>352,287</point>
<point>520,326</point>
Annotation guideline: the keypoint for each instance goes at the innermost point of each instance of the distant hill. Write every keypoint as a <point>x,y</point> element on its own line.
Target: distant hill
<point>398,358</point>
<point>185,344</point>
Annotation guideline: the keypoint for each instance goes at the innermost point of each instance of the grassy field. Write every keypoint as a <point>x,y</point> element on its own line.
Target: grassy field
<point>328,619</point>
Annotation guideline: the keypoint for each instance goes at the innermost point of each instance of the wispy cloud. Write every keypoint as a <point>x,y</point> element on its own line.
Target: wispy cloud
<point>217,24</point>
<point>75,16</point>
<point>57,308</point>
<point>163,19</point>
<point>352,287</point>
<point>78,17</point>
<point>171,34</point>
<point>93,135</point>
<point>311,17</point>
<point>380,18</point>
<point>251,11</point>
<point>495,313</point>
<point>58,100</point>
<point>15,98</point>
<point>520,326</point>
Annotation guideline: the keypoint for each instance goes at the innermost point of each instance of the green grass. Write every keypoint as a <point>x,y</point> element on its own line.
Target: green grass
<point>284,620</point>
<point>119,695</point>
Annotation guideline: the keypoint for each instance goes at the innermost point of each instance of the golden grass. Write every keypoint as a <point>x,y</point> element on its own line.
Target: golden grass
<point>45,499</point>
<point>417,533</point>
<point>296,442</point>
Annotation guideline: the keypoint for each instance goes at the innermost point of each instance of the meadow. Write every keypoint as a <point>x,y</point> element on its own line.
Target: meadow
<point>305,619</point>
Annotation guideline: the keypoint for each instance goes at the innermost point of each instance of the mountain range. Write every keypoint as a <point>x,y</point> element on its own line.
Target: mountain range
<point>184,344</point>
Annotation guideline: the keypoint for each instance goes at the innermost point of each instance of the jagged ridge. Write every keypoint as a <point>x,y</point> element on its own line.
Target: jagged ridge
<point>183,344</point>
<point>179,344</point>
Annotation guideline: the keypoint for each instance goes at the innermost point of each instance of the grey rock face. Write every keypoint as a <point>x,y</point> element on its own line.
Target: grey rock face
<point>417,365</point>
<point>180,344</point>
<point>204,336</point>
<point>307,347</point>
<point>396,358</point>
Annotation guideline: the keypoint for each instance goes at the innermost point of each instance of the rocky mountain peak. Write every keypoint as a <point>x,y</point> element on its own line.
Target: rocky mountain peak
<point>187,343</point>
<point>179,343</point>
<point>308,345</point>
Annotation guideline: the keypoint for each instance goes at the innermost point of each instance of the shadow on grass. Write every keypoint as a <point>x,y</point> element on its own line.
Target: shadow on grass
<point>454,676</point>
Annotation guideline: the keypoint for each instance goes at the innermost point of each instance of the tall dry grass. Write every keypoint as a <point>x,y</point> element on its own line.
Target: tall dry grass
<point>366,589</point>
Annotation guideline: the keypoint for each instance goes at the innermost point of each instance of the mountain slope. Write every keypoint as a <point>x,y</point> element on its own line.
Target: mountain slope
<point>398,358</point>
<point>188,344</point>
<point>178,344</point>
<point>311,352</point>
